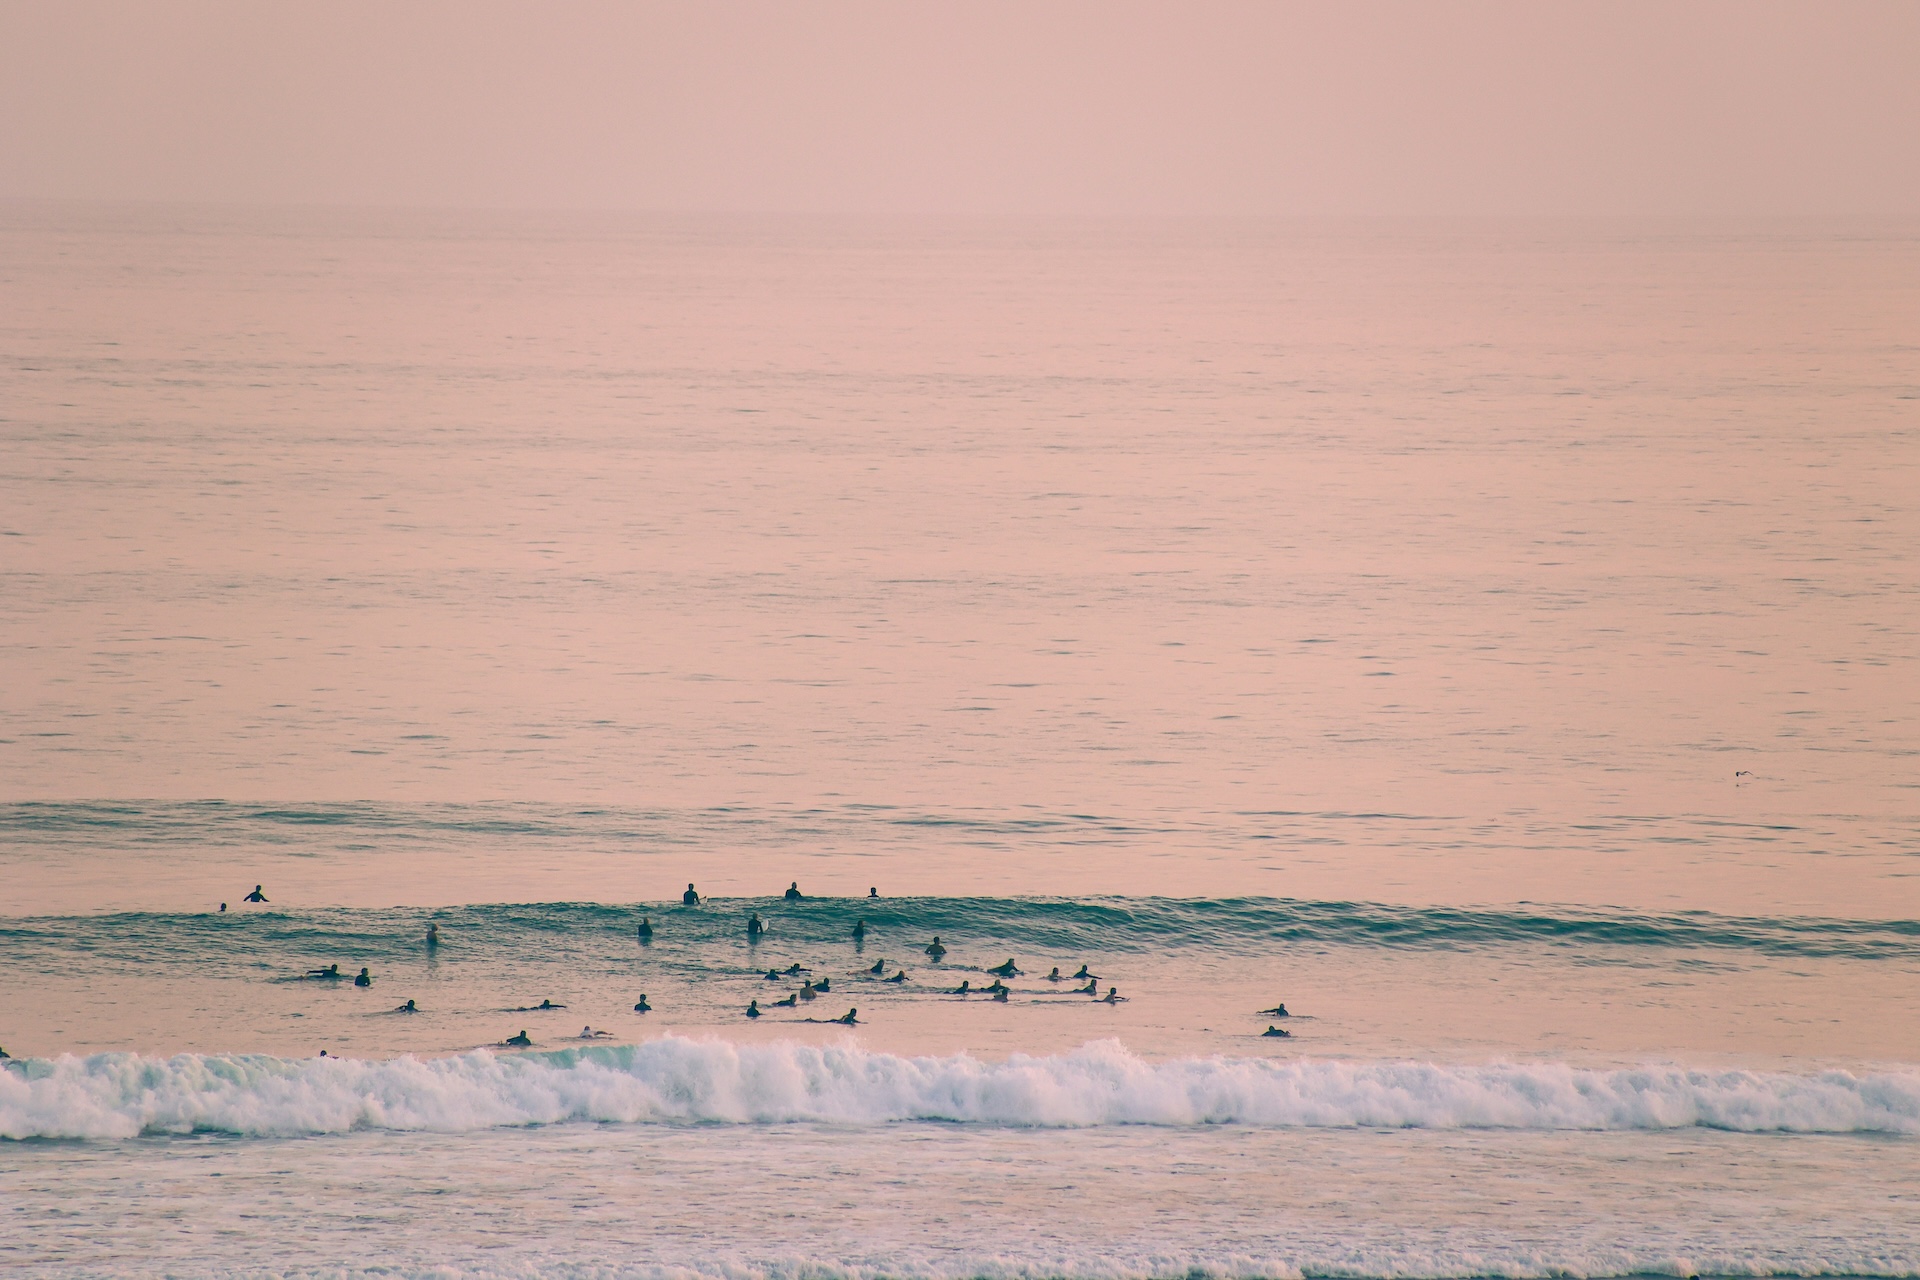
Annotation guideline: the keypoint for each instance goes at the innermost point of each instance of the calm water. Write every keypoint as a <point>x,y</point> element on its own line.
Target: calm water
<point>1495,641</point>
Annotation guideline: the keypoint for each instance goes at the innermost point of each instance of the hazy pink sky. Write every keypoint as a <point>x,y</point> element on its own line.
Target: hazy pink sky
<point>1661,108</point>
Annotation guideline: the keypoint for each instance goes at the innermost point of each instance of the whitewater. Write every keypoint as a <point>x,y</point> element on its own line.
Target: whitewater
<point>675,1080</point>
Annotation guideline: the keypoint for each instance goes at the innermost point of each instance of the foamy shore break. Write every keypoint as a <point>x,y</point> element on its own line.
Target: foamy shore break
<point>676,1080</point>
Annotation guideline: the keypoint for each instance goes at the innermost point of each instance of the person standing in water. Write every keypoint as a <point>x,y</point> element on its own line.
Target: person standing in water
<point>690,898</point>
<point>644,930</point>
<point>255,896</point>
<point>223,908</point>
<point>753,1008</point>
<point>860,930</point>
<point>643,1006</point>
<point>364,980</point>
<point>935,950</point>
<point>872,892</point>
<point>793,893</point>
<point>754,927</point>
<point>408,1007</point>
<point>433,936</point>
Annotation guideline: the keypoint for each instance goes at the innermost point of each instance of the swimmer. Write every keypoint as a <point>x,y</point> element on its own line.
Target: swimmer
<point>849,1020</point>
<point>690,898</point>
<point>793,893</point>
<point>1053,975</point>
<point>872,892</point>
<point>791,1002</point>
<point>808,992</point>
<point>1278,1011</point>
<point>900,976</point>
<point>408,1007</point>
<point>1007,970</point>
<point>935,950</point>
<point>1275,1031</point>
<point>433,936</point>
<point>520,1041</point>
<point>754,927</point>
<point>588,1033</point>
<point>323,1053</point>
<point>879,967</point>
<point>643,1006</point>
<point>331,971</point>
<point>365,979</point>
<point>753,1008</point>
<point>644,930</point>
<point>1113,996</point>
<point>255,896</point>
<point>1084,976</point>
<point>1091,989</point>
<point>223,908</point>
<point>964,989</point>
<point>860,930</point>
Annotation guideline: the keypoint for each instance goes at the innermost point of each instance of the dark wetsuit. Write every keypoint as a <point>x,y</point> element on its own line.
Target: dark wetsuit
<point>793,893</point>
<point>690,898</point>
<point>255,896</point>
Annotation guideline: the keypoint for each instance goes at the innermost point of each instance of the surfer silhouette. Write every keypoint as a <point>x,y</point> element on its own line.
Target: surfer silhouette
<point>690,898</point>
<point>255,896</point>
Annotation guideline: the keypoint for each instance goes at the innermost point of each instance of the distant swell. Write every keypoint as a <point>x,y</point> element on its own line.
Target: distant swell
<point>681,1081</point>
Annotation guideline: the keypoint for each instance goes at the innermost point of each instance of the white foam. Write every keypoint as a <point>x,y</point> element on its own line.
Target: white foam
<point>679,1080</point>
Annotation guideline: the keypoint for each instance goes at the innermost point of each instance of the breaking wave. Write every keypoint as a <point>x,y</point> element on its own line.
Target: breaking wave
<point>674,1080</point>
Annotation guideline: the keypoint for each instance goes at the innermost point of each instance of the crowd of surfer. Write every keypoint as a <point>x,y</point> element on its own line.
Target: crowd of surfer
<point>810,988</point>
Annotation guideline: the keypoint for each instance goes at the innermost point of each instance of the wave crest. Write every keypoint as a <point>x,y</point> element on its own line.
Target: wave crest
<point>676,1080</point>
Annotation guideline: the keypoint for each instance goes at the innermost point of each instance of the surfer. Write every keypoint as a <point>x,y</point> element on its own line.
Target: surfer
<point>1275,1031</point>
<point>223,908</point>
<point>364,979</point>
<point>935,950</point>
<point>753,1008</point>
<point>644,930</point>
<point>690,898</point>
<point>4,1054</point>
<point>879,967</point>
<point>433,936</point>
<point>773,975</point>
<point>588,1033</point>
<point>872,892</point>
<point>1007,970</point>
<point>808,992</point>
<point>408,1007</point>
<point>793,893</point>
<point>964,989</point>
<point>849,1020</point>
<point>520,1041</point>
<point>1053,974</point>
<point>542,1007</point>
<point>791,1002</point>
<point>255,896</point>
<point>1084,976</point>
<point>754,927</point>
<point>1113,996</point>
<point>1000,993</point>
<point>996,987</point>
<point>1278,1011</point>
<point>825,984</point>
<point>1091,989</point>
<point>860,930</point>
<point>322,975</point>
<point>794,970</point>
<point>899,976</point>
<point>642,1006</point>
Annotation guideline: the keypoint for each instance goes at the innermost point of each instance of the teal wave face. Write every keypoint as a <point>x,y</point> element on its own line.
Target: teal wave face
<point>1113,925</point>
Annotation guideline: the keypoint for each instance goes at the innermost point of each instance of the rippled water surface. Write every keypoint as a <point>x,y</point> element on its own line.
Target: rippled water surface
<point>1496,641</point>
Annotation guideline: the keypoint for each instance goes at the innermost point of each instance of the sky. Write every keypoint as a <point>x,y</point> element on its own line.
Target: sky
<point>1111,108</point>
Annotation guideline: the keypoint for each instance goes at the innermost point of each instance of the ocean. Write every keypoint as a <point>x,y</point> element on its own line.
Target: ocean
<point>1494,641</point>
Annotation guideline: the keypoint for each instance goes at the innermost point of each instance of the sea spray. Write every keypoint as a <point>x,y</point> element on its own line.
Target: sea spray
<point>677,1080</point>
